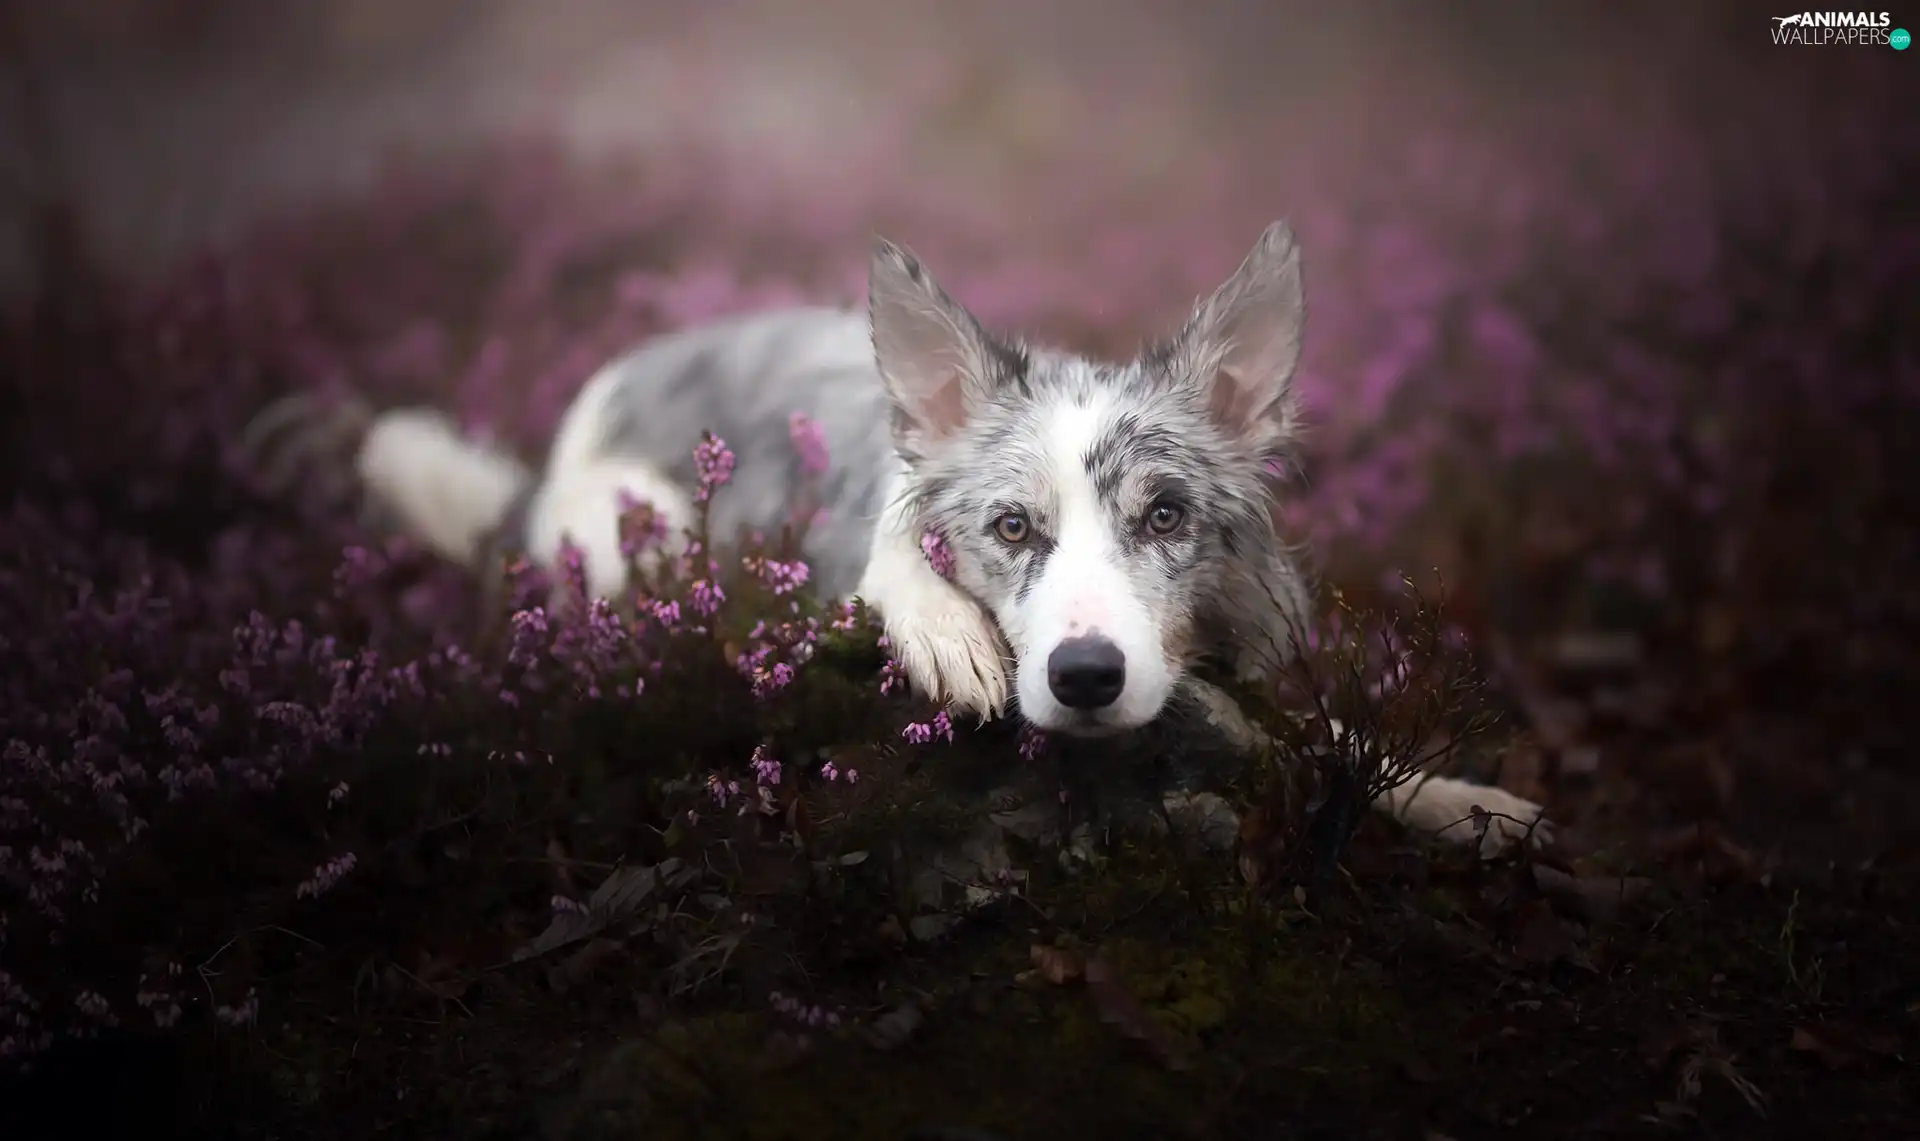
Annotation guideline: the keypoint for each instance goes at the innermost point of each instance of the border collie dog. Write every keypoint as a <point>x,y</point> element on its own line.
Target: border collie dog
<point>1108,524</point>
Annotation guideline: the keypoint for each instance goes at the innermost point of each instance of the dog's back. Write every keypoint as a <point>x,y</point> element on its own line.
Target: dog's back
<point>743,378</point>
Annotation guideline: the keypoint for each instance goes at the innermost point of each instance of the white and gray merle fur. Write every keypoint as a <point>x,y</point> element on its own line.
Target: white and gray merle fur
<point>1110,524</point>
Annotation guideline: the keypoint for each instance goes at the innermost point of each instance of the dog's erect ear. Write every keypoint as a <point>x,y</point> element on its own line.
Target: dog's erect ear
<point>1241,344</point>
<point>936,361</point>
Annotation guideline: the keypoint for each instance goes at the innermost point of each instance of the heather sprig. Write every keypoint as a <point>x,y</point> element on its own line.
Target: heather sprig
<point>1371,698</point>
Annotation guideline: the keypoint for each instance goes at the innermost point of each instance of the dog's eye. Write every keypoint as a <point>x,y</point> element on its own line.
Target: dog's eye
<point>1165,518</point>
<point>1012,527</point>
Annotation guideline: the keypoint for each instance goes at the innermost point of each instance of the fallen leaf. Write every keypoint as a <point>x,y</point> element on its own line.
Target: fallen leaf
<point>1841,1045</point>
<point>622,892</point>
<point>618,897</point>
<point>1119,1009</point>
<point>675,873</point>
<point>1057,965</point>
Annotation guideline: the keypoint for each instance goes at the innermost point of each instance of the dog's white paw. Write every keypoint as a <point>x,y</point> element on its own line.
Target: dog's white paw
<point>1445,807</point>
<point>950,651</point>
<point>1514,820</point>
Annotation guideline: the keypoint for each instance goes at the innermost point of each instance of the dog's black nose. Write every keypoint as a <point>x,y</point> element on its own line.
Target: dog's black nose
<point>1086,673</point>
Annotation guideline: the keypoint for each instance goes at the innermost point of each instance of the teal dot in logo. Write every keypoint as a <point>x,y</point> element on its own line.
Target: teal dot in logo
<point>1899,39</point>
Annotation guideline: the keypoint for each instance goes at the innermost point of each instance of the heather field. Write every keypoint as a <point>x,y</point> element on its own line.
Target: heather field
<point>1613,392</point>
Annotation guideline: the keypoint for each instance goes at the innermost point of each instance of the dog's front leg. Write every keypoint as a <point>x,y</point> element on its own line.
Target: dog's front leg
<point>946,642</point>
<point>1444,807</point>
<point>1438,806</point>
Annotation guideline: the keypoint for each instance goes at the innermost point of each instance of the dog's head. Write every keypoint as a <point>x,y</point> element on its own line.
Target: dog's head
<point>1099,511</point>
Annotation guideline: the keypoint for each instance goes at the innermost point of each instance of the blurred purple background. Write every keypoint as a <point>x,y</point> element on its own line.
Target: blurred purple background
<point>179,121</point>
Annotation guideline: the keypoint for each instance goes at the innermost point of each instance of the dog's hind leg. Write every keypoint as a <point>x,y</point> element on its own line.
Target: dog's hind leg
<point>580,504</point>
<point>439,487</point>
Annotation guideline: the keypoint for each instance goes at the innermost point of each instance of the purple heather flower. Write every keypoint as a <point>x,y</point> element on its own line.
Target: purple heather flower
<point>326,876</point>
<point>780,578</point>
<point>846,617</point>
<point>706,597</point>
<point>920,733</point>
<point>1033,742</point>
<point>641,528</point>
<point>766,769</point>
<point>939,555</point>
<point>713,466</point>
